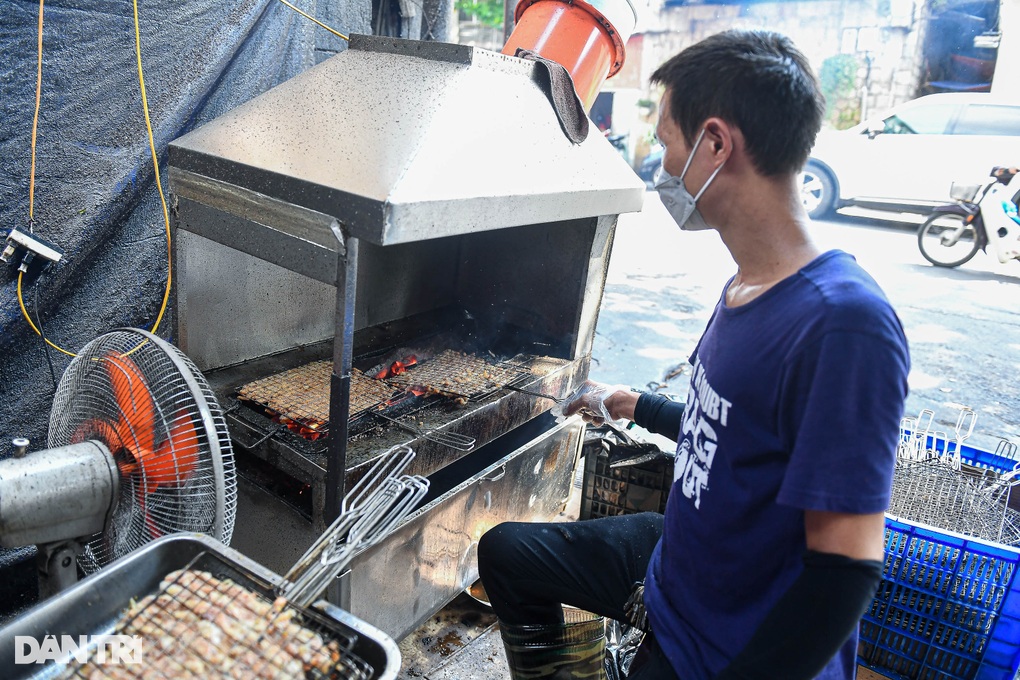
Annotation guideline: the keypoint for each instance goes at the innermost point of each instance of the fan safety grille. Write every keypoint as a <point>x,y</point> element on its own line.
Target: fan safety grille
<point>152,408</point>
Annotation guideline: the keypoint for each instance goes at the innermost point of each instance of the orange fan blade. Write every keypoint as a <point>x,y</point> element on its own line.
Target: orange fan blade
<point>108,435</point>
<point>135,427</point>
<point>150,524</point>
<point>98,429</point>
<point>175,459</point>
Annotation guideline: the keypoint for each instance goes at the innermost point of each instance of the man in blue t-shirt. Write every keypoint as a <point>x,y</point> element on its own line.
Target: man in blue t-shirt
<point>771,546</point>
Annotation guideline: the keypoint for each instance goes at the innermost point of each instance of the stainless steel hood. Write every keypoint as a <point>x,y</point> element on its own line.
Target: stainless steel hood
<point>402,141</point>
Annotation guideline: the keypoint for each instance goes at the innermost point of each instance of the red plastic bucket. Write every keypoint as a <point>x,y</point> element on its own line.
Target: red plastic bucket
<point>586,39</point>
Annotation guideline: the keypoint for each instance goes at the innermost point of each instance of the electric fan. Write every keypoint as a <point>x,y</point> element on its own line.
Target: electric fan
<point>138,449</point>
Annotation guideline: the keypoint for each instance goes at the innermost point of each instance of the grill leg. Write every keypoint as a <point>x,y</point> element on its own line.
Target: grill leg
<point>340,382</point>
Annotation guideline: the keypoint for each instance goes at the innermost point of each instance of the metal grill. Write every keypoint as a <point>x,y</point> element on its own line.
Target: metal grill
<point>459,375</point>
<point>202,626</point>
<point>302,393</point>
<point>969,501</point>
<point>932,485</point>
<point>166,411</point>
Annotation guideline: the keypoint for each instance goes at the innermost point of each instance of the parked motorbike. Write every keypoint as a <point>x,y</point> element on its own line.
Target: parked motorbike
<point>981,215</point>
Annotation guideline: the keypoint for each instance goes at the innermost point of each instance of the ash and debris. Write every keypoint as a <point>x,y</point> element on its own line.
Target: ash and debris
<point>439,639</point>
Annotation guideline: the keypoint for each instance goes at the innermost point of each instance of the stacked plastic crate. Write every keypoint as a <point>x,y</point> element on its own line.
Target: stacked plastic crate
<point>640,485</point>
<point>948,607</point>
<point>949,604</point>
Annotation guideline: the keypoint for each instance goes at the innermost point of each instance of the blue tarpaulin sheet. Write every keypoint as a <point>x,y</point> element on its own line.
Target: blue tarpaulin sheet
<point>95,193</point>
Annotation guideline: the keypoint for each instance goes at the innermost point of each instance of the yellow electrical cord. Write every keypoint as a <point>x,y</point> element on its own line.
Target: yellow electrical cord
<point>24,312</point>
<point>316,21</point>
<point>155,165</point>
<point>35,122</point>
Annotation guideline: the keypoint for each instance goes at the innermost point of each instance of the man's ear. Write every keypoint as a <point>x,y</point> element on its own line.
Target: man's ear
<point>719,138</point>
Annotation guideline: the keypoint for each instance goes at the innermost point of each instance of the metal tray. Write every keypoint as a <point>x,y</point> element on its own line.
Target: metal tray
<point>93,606</point>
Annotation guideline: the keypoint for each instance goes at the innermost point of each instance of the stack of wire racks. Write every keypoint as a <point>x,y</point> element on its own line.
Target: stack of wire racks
<point>948,607</point>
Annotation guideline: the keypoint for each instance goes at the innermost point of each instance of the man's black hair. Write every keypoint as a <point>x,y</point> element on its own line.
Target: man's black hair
<point>755,80</point>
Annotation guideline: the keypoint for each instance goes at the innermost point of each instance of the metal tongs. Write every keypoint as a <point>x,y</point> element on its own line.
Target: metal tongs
<point>369,512</point>
<point>964,429</point>
<point>920,442</point>
<point>515,386</point>
<point>453,440</point>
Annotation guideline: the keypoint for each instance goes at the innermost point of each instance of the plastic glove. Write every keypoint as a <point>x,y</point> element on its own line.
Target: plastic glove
<point>589,401</point>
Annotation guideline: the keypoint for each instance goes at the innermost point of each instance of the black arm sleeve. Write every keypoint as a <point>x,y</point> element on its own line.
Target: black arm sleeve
<point>809,624</point>
<point>658,414</point>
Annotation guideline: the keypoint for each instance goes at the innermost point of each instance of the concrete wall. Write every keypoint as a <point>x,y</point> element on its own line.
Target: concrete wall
<point>888,35</point>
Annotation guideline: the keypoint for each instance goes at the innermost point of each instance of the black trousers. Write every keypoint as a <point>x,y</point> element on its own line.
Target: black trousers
<point>529,570</point>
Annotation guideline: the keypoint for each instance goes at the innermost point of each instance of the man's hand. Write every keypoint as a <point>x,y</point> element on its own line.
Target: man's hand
<point>597,403</point>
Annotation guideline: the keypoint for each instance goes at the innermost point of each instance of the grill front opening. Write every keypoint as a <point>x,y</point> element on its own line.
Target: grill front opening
<point>474,356</point>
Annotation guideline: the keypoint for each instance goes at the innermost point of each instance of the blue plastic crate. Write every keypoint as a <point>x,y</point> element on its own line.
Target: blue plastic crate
<point>948,608</point>
<point>1001,461</point>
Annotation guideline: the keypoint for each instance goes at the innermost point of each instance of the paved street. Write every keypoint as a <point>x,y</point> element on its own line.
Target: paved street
<point>963,325</point>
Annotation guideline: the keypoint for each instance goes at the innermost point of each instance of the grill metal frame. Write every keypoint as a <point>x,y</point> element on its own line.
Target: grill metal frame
<point>290,247</point>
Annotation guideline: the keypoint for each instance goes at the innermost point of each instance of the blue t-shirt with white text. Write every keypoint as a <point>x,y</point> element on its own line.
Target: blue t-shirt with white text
<point>794,405</point>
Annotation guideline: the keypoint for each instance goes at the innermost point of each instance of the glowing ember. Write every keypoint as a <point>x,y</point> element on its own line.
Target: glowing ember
<point>397,367</point>
<point>307,430</point>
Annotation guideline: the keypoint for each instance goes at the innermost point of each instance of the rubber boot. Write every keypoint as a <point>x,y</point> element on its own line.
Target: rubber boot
<point>575,648</point>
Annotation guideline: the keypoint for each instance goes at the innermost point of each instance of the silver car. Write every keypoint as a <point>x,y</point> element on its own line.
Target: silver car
<point>906,160</point>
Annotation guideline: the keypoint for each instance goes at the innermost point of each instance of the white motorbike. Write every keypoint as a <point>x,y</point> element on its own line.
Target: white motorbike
<point>981,215</point>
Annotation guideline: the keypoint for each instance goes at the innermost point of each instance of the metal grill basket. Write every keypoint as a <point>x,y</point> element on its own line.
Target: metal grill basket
<point>932,485</point>
<point>210,619</point>
<point>969,501</point>
<point>97,606</point>
<point>302,393</point>
<point>948,607</point>
<point>457,374</point>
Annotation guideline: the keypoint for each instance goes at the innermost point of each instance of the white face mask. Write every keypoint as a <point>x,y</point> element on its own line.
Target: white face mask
<point>678,201</point>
